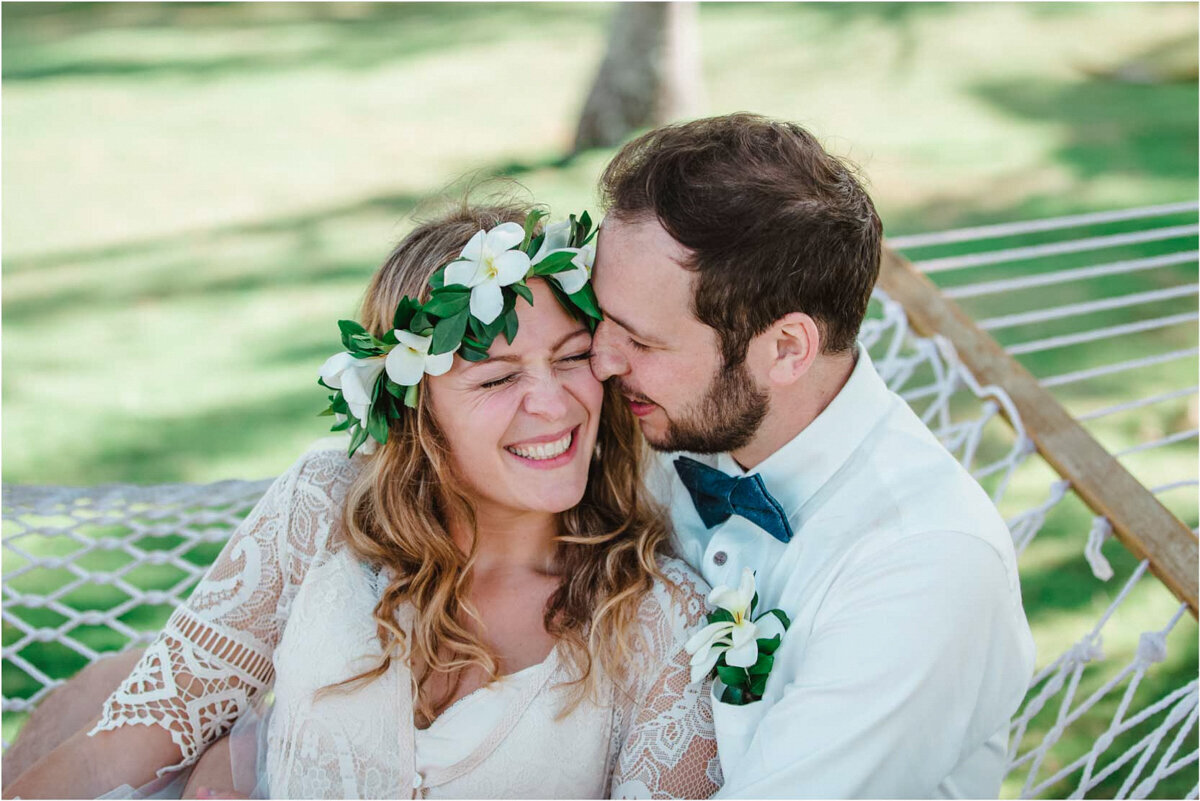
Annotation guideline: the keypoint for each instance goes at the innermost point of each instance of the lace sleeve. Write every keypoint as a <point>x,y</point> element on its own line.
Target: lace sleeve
<point>215,652</point>
<point>669,748</point>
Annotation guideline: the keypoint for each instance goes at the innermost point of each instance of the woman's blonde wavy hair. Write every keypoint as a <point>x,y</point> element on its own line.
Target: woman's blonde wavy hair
<point>398,506</point>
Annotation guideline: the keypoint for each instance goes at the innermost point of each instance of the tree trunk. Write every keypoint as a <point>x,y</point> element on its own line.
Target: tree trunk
<point>650,74</point>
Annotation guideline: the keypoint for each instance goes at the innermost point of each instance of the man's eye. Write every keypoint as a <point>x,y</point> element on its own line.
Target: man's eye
<point>579,357</point>
<point>633,343</point>
<point>508,379</point>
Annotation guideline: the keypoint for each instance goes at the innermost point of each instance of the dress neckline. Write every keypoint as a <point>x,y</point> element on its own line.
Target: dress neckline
<point>520,675</point>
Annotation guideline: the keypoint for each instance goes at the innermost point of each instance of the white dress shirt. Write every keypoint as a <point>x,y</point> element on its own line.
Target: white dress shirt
<point>908,651</point>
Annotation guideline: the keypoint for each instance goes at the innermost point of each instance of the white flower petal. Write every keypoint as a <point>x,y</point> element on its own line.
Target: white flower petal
<point>439,363</point>
<point>405,366</point>
<point>743,632</point>
<point>486,302</point>
<point>571,281</point>
<point>474,250</point>
<point>768,627</point>
<point>504,236</point>
<point>418,343</point>
<point>360,411</point>
<point>704,637</point>
<point>368,446</point>
<point>462,272</point>
<point>359,381</point>
<point>511,266</point>
<point>702,669</point>
<point>334,366</point>
<point>744,656</point>
<point>746,590</point>
<point>557,237</point>
<point>727,598</point>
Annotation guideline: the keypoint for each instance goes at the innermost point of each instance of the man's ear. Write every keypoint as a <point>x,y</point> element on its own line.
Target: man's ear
<point>793,344</point>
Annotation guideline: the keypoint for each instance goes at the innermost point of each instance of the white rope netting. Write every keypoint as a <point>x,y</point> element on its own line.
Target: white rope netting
<point>1112,709</point>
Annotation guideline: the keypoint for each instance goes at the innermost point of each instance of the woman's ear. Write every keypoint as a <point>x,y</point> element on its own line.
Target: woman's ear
<point>793,344</point>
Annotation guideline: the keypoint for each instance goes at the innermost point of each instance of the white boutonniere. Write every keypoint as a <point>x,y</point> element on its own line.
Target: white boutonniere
<point>735,646</point>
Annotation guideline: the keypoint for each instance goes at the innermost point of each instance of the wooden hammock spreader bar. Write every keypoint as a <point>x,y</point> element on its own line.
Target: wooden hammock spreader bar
<point>1139,520</point>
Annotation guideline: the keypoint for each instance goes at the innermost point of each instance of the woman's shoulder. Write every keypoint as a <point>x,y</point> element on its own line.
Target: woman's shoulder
<point>314,490</point>
<point>676,602</point>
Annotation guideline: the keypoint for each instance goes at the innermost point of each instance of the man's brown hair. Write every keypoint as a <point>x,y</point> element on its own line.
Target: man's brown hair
<point>774,223</point>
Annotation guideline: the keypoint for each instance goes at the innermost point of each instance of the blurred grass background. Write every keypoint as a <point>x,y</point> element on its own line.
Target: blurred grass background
<point>195,193</point>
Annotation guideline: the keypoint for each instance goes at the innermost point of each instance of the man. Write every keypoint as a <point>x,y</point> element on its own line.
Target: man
<point>734,266</point>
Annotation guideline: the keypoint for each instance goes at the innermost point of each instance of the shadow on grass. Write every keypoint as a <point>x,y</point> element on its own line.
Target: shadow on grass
<point>58,40</point>
<point>1109,127</point>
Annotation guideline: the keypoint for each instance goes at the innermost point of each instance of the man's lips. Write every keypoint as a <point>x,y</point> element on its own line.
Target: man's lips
<point>641,408</point>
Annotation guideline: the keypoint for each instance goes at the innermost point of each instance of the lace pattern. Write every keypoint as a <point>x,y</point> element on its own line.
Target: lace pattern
<point>215,653</point>
<point>242,650</point>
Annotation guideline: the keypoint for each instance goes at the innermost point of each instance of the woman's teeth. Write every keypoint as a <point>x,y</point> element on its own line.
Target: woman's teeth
<point>544,450</point>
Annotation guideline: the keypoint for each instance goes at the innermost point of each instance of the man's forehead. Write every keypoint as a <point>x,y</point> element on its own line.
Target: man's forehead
<point>640,282</point>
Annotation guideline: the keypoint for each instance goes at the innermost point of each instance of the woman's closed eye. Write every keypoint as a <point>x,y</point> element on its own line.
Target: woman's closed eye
<point>499,382</point>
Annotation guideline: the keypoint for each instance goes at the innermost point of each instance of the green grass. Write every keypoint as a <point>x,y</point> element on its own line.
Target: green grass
<point>195,193</point>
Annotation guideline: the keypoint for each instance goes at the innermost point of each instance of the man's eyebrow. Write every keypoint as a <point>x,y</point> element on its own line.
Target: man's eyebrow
<point>514,359</point>
<point>610,316</point>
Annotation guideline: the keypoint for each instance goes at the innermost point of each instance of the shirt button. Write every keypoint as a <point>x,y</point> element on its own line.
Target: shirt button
<point>719,558</point>
<point>418,780</point>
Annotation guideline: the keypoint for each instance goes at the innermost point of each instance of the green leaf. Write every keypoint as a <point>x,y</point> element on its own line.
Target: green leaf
<point>448,333</point>
<point>377,424</point>
<point>349,329</point>
<point>410,396</point>
<point>763,665</point>
<point>522,289</point>
<point>531,220</point>
<point>720,616</point>
<point>510,325</point>
<point>554,263</point>
<point>585,301</point>
<point>733,695</point>
<point>733,676</point>
<point>780,615</point>
<point>753,603</point>
<point>421,324</point>
<point>535,245</point>
<point>758,685</point>
<point>342,426</point>
<point>449,301</point>
<point>404,313</point>
<point>327,413</point>
<point>438,280</point>
<point>359,437</point>
<point>389,337</point>
<point>395,389</point>
<point>769,646</point>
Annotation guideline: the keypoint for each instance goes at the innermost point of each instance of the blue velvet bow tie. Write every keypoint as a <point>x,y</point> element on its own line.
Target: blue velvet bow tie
<point>717,496</point>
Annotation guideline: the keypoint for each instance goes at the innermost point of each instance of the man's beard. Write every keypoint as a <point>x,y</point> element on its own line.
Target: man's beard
<point>726,419</point>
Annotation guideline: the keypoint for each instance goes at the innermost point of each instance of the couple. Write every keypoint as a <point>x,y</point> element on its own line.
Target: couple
<point>499,594</point>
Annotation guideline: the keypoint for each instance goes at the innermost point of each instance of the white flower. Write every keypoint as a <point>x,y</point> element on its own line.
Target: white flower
<point>355,378</point>
<point>737,639</point>
<point>410,360</point>
<point>557,236</point>
<point>488,263</point>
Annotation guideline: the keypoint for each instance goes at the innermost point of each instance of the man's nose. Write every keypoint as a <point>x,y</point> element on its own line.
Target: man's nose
<point>607,359</point>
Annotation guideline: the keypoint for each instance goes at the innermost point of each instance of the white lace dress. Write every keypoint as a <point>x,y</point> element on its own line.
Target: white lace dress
<point>286,610</point>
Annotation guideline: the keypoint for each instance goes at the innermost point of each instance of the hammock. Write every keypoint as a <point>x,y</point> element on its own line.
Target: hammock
<point>1105,532</point>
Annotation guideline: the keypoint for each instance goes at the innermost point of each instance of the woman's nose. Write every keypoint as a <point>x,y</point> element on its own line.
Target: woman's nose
<point>607,359</point>
<point>548,399</point>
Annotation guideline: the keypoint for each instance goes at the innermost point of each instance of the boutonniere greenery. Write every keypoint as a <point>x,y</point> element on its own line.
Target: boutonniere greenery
<point>737,647</point>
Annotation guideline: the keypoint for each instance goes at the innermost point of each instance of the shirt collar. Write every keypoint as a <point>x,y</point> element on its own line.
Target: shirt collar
<point>795,472</point>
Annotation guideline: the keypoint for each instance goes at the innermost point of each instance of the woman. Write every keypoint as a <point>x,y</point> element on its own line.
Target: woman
<point>482,607</point>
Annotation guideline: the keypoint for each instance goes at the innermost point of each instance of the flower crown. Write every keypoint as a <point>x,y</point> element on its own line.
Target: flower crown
<point>474,300</point>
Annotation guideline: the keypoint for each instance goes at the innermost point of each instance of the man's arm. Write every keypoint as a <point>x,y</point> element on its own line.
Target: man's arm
<point>919,653</point>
